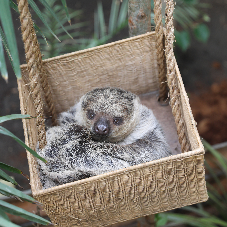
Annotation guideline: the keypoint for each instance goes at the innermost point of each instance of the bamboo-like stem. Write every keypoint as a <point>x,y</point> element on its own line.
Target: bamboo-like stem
<point>139,17</point>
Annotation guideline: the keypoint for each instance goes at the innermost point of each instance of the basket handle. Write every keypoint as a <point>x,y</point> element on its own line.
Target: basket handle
<point>168,74</point>
<point>37,74</point>
<point>161,61</point>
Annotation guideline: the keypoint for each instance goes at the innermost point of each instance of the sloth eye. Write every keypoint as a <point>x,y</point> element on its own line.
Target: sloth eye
<point>90,114</point>
<point>117,120</point>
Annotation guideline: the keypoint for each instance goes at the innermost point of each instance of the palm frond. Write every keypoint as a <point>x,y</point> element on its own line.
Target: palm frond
<point>7,24</point>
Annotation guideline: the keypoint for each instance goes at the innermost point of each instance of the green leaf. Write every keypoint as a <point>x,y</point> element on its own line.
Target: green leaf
<point>206,17</point>
<point>77,13</point>
<point>160,220</point>
<point>74,34</point>
<point>41,33</point>
<point>96,25</point>
<point>7,190</point>
<point>8,133</point>
<point>190,220</point>
<point>116,23</point>
<point>6,223</point>
<point>5,193</point>
<point>5,44</point>
<point>3,215</point>
<point>201,32</point>
<point>192,12</point>
<point>182,39</point>
<point>215,220</point>
<point>13,117</point>
<point>191,2</point>
<point>7,23</point>
<point>152,4</point>
<point>7,177</point>
<point>72,27</point>
<point>222,162</point>
<point>197,211</point>
<point>3,67</point>
<point>14,6</point>
<point>100,15</point>
<point>12,169</point>
<point>54,15</point>
<point>123,13</point>
<point>215,177</point>
<point>113,16</point>
<point>66,10</point>
<point>40,15</point>
<point>216,200</point>
<point>182,17</point>
<point>9,208</point>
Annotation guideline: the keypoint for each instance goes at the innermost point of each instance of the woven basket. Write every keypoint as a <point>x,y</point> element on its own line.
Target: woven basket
<point>133,64</point>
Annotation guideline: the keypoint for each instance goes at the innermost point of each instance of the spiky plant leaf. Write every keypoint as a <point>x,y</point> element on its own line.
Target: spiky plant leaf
<point>12,169</point>
<point>66,10</point>
<point>7,190</point>
<point>113,16</point>
<point>7,24</point>
<point>14,6</point>
<point>3,67</point>
<point>6,223</point>
<point>13,117</point>
<point>9,208</point>
<point>101,19</point>
<point>45,3</point>
<point>40,15</point>
<point>6,177</point>
<point>8,133</point>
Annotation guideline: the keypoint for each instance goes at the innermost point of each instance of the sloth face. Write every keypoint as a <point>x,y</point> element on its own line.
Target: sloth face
<point>103,125</point>
<point>110,113</point>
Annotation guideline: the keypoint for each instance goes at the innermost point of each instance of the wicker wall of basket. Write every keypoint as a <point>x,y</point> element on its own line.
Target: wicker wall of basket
<point>136,64</point>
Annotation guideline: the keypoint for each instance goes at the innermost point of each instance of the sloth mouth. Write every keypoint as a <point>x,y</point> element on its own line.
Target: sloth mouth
<point>99,138</point>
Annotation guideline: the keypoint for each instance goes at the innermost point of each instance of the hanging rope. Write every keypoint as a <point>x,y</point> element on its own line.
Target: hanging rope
<point>163,88</point>
<point>37,75</point>
<point>171,79</point>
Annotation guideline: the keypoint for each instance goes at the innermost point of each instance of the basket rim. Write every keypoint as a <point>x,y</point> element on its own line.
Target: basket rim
<point>43,192</point>
<point>93,48</point>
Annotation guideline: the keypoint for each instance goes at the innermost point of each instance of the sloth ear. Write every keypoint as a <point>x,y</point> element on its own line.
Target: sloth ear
<point>82,101</point>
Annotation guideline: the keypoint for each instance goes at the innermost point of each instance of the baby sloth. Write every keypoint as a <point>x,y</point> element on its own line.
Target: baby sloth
<point>108,129</point>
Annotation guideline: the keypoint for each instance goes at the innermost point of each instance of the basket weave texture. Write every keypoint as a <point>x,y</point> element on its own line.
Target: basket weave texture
<point>136,191</point>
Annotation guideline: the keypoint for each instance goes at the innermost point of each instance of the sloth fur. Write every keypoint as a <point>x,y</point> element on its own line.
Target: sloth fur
<point>107,130</point>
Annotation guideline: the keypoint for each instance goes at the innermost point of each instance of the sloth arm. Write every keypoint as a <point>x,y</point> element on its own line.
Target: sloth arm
<point>73,155</point>
<point>152,146</point>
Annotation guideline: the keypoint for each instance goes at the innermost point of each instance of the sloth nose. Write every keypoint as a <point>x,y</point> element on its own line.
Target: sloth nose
<point>102,127</point>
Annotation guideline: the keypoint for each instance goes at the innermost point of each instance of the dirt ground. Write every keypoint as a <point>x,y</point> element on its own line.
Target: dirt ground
<point>210,112</point>
<point>204,72</point>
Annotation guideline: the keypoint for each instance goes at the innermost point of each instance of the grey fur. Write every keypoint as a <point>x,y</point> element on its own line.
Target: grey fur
<point>72,153</point>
